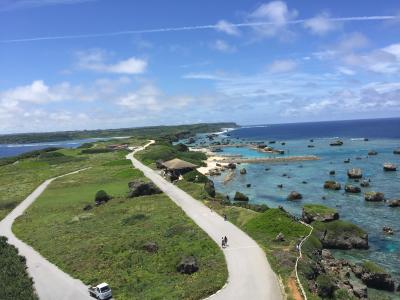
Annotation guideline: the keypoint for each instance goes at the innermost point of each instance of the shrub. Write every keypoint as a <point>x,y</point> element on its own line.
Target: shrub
<point>86,145</point>
<point>325,286</point>
<point>101,196</point>
<point>195,176</point>
<point>96,150</point>
<point>255,207</point>
<point>181,148</point>
<point>131,220</point>
<point>15,281</point>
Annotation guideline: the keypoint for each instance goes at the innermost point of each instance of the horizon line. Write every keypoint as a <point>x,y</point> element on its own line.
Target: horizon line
<point>188,28</point>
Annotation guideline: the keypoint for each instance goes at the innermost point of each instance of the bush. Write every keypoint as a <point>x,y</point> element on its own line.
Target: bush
<point>15,281</point>
<point>255,207</point>
<point>96,150</point>
<point>181,148</point>
<point>195,176</point>
<point>86,145</point>
<point>101,196</point>
<point>325,286</point>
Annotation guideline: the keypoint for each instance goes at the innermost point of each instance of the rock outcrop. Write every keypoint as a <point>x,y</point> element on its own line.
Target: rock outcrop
<point>394,203</point>
<point>210,188</point>
<point>389,167</point>
<point>315,212</point>
<point>341,235</point>
<point>240,197</point>
<point>336,143</point>
<point>139,188</point>
<point>349,188</point>
<point>354,173</point>
<point>294,196</point>
<point>150,247</point>
<point>374,196</point>
<point>243,171</point>
<point>332,185</point>
<point>372,152</point>
<point>374,276</point>
<point>188,265</point>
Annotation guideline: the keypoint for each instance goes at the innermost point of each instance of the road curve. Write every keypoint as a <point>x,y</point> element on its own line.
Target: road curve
<point>50,282</point>
<point>250,275</point>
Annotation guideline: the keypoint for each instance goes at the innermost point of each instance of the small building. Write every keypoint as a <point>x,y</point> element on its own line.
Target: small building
<point>176,167</point>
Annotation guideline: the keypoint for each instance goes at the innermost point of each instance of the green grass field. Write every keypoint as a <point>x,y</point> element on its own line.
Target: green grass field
<point>106,243</point>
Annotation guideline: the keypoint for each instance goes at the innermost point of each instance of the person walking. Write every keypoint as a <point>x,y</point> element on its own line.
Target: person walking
<point>225,217</point>
<point>223,242</point>
<point>226,241</point>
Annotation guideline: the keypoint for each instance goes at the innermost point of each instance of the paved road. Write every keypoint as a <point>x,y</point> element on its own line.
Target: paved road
<point>250,275</point>
<point>51,283</point>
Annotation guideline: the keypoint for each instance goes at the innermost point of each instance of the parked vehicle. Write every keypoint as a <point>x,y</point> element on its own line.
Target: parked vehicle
<point>101,291</point>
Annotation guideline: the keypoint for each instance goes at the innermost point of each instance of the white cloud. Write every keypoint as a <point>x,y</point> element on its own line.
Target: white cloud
<point>226,27</point>
<point>95,60</point>
<point>282,66</point>
<point>39,93</point>
<point>320,24</point>
<point>345,70</point>
<point>223,46</point>
<point>275,15</point>
<point>353,41</point>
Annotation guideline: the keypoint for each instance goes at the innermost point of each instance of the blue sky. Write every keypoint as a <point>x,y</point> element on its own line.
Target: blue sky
<point>86,64</point>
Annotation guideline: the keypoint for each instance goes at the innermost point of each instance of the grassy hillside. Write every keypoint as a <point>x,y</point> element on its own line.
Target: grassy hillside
<point>106,242</point>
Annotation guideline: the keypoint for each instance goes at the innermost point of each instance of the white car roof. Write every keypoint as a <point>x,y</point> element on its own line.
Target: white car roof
<point>101,285</point>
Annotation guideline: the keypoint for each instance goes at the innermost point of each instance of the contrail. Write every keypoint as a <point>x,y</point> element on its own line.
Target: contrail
<point>186,28</point>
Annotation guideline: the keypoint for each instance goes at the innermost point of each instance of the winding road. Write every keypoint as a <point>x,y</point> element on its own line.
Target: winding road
<point>250,275</point>
<point>50,282</point>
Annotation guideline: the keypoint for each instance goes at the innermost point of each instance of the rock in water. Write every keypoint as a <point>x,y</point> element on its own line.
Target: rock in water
<point>352,189</point>
<point>372,152</point>
<point>364,183</point>
<point>374,196</point>
<point>294,196</point>
<point>188,265</point>
<point>243,171</point>
<point>396,151</point>
<point>240,197</point>
<point>389,167</point>
<point>336,143</point>
<point>332,172</point>
<point>354,173</point>
<point>394,203</point>
<point>375,277</point>
<point>341,235</point>
<point>140,188</point>
<point>315,212</point>
<point>332,185</point>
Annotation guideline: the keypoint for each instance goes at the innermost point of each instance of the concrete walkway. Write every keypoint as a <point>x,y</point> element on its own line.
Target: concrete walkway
<point>50,282</point>
<point>250,275</point>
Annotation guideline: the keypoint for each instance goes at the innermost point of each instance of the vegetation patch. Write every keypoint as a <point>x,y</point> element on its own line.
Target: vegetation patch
<point>166,151</point>
<point>108,245</point>
<point>15,281</point>
<point>318,209</point>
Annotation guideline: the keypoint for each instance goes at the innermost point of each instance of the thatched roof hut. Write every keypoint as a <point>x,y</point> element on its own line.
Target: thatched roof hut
<point>178,164</point>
